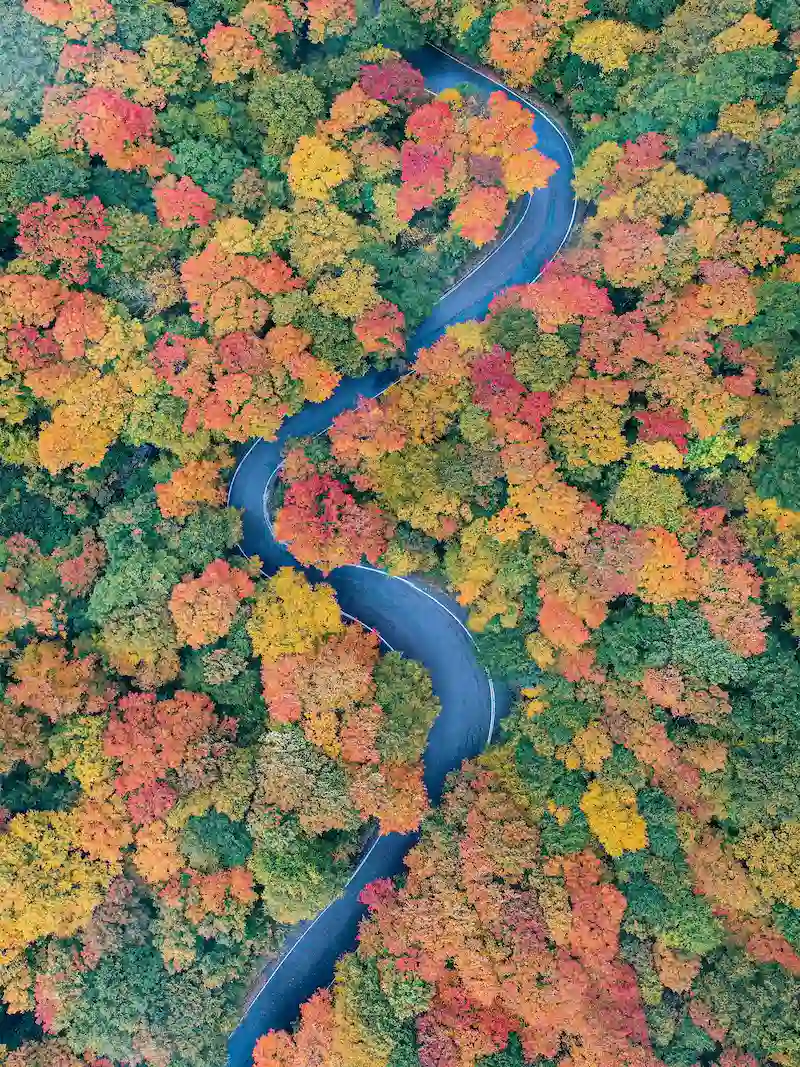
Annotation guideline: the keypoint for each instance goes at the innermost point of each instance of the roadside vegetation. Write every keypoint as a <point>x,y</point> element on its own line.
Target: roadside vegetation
<point>211,213</point>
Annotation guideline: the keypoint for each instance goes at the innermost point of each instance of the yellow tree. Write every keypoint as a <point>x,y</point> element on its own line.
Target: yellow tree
<point>315,168</point>
<point>608,43</point>
<point>291,616</point>
<point>613,819</point>
<point>749,32</point>
<point>83,428</point>
<point>49,882</point>
<point>322,235</point>
<point>351,292</point>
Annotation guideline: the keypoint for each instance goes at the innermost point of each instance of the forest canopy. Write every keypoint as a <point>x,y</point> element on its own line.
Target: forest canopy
<point>212,213</point>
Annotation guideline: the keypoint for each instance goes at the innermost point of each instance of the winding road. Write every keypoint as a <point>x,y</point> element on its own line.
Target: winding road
<point>419,621</point>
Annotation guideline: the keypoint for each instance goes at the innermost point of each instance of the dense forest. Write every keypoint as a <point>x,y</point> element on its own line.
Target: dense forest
<point>213,212</point>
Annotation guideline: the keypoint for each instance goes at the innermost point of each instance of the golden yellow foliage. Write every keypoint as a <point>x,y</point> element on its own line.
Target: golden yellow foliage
<point>290,615</point>
<point>609,43</point>
<point>588,430</point>
<point>322,236</point>
<point>82,429</point>
<point>235,235</point>
<point>613,818</point>
<point>773,533</point>
<point>78,748</point>
<point>662,454</point>
<point>594,173</point>
<point>749,32</point>
<point>773,860</point>
<point>315,168</point>
<point>745,121</point>
<point>275,224</point>
<point>593,746</point>
<point>48,883</point>
<point>349,293</point>
<point>469,336</point>
<point>666,191</point>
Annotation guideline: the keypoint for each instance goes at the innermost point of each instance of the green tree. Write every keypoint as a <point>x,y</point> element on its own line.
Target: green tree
<point>403,689</point>
<point>285,106</point>
<point>214,840</point>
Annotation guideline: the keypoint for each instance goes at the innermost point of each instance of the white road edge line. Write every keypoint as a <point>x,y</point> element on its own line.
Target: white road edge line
<point>397,578</point>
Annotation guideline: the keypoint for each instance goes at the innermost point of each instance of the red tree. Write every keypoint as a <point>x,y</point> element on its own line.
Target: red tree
<point>69,232</point>
<point>325,527</point>
<point>150,738</point>
<point>394,81</point>
<point>182,203</point>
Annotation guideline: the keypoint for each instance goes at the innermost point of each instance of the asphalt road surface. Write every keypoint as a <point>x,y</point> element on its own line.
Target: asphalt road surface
<point>419,621</point>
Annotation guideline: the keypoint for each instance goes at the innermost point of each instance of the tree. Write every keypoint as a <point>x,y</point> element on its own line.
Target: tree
<point>47,680</point>
<point>121,919</point>
<point>325,527</point>
<point>612,817</point>
<point>295,776</point>
<point>78,573</point>
<point>22,740</point>
<point>316,686</point>
<point>381,328</point>
<point>608,43</point>
<point>350,293</point>
<point>50,884</point>
<point>291,616</point>
<point>394,80</point>
<point>521,37</point>
<point>149,738</point>
<point>278,1049</point>
<point>286,106</point>
<point>329,18</point>
<point>214,840</point>
<point>190,487</point>
<point>777,477</point>
<point>352,110</point>
<point>479,214</point>
<point>321,237</point>
<point>315,168</point>
<point>506,133</point>
<point>423,174</point>
<point>181,203</point>
<point>230,52</point>
<point>82,429</point>
<point>557,299</point>
<point>749,32</point>
<point>404,692</point>
<point>106,124</point>
<point>70,232</point>
<point>74,19</point>
<point>297,875</point>
<point>229,289</point>
<point>632,255</point>
<point>394,794</point>
<point>204,608</point>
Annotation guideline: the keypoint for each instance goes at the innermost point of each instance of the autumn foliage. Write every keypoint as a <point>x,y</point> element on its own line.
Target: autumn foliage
<point>70,232</point>
<point>215,214</point>
<point>578,467</point>
<point>203,608</point>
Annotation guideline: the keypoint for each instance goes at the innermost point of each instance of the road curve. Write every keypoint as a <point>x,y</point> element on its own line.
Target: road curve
<point>419,621</point>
